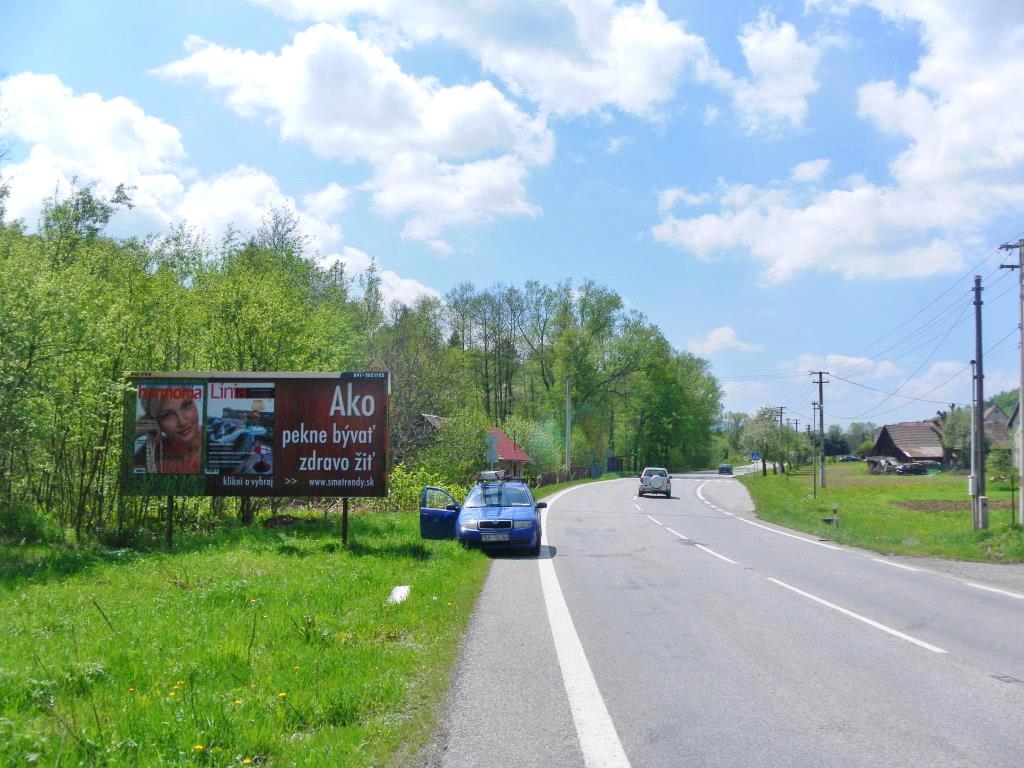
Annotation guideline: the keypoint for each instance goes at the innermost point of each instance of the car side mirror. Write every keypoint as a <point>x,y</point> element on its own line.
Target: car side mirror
<point>542,505</point>
<point>452,507</point>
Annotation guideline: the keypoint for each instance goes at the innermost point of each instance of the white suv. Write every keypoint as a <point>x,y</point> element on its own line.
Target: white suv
<point>656,480</point>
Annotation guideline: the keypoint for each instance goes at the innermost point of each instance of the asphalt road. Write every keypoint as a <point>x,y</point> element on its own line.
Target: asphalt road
<point>685,632</point>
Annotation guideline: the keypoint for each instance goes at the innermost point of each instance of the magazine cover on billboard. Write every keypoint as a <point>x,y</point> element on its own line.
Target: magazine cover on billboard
<point>240,428</point>
<point>168,428</point>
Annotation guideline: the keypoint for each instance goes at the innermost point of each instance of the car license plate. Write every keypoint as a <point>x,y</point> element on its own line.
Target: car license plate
<point>493,537</point>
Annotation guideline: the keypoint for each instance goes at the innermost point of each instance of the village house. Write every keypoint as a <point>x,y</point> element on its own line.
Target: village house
<point>920,440</point>
<point>909,441</point>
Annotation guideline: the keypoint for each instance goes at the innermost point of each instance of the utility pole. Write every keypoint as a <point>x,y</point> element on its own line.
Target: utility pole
<point>568,427</point>
<point>979,407</point>
<point>1019,266</point>
<point>782,456</point>
<point>814,451</point>
<point>973,483</point>
<point>821,421</point>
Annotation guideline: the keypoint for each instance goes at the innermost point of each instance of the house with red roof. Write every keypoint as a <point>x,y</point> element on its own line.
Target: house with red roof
<point>511,457</point>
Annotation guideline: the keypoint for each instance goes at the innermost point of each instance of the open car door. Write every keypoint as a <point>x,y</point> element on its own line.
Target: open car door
<point>438,513</point>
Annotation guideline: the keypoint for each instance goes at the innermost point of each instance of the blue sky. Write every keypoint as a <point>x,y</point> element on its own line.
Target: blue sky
<point>776,185</point>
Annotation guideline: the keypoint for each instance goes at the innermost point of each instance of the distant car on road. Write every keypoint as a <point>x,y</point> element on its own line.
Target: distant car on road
<point>725,469</point>
<point>850,458</point>
<point>912,469</point>
<point>497,513</point>
<point>655,480</point>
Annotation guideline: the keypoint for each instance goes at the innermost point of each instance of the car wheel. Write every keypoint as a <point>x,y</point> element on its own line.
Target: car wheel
<point>640,494</point>
<point>535,549</point>
<point>668,494</point>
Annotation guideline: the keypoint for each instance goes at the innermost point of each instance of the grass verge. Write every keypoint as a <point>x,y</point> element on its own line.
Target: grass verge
<point>549,490</point>
<point>248,647</point>
<point>913,515</point>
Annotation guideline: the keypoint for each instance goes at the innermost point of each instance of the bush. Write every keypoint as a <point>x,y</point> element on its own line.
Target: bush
<point>24,523</point>
<point>405,485</point>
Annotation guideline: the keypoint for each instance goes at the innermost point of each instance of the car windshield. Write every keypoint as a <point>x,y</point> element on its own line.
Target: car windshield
<point>653,472</point>
<point>499,496</point>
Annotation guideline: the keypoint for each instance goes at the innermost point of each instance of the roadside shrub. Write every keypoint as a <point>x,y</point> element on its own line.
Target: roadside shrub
<point>21,522</point>
<point>405,486</point>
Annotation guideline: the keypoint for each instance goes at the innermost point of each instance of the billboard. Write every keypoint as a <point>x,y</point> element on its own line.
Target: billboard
<point>256,434</point>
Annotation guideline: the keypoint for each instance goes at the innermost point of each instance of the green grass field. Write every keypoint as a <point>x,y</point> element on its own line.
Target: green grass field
<point>247,647</point>
<point>913,515</point>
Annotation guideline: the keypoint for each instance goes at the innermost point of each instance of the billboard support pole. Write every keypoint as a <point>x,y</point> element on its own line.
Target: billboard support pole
<point>344,521</point>
<point>170,522</point>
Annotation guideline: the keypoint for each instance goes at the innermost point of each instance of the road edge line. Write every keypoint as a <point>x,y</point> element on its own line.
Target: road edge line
<point>598,739</point>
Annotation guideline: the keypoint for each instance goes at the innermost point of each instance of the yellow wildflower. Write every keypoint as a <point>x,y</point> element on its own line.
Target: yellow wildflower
<point>296,668</point>
<point>281,695</point>
<point>131,690</point>
<point>238,702</point>
<point>198,748</point>
<point>171,694</point>
<point>247,761</point>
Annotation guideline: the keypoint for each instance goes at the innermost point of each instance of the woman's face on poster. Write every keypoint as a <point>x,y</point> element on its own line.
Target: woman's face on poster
<point>179,420</point>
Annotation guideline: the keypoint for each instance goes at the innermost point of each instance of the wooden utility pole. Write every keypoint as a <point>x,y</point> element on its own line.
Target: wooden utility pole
<point>821,422</point>
<point>981,521</point>
<point>1019,266</point>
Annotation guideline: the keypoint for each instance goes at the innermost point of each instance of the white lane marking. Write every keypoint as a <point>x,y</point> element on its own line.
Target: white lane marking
<point>896,565</point>
<point>652,520</point>
<point>599,741</point>
<point>865,619</point>
<point>712,552</point>
<point>790,535</point>
<point>1015,595</point>
<point>638,508</point>
<point>676,533</point>
<point>765,527</point>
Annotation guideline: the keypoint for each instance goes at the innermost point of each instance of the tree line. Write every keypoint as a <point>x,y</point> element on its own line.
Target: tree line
<point>80,308</point>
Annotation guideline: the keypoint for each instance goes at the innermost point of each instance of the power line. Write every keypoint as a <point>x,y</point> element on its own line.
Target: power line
<point>938,386</point>
<point>891,394</point>
<point>972,270</point>
<point>916,370</point>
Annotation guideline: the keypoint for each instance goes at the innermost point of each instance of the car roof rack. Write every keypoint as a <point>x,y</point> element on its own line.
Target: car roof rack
<point>491,474</point>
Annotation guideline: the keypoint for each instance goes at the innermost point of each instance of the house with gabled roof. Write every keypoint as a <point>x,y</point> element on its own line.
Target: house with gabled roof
<point>511,457</point>
<point>909,441</point>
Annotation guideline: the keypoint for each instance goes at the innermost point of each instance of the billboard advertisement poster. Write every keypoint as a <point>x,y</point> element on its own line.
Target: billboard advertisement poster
<point>239,428</point>
<point>259,434</point>
<point>168,434</point>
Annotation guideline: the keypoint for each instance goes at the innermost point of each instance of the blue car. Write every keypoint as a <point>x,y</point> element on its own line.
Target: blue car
<point>497,513</point>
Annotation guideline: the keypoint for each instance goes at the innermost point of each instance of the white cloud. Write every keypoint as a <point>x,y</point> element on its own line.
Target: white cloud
<point>327,202</point>
<point>571,57</point>
<point>719,340</point>
<point>68,135</point>
<point>393,287</point>
<point>348,99</point>
<point>437,195</point>
<point>111,141</point>
<point>961,167</point>
<point>782,75</point>
<point>668,198</point>
<point>810,171</point>
<point>615,143</point>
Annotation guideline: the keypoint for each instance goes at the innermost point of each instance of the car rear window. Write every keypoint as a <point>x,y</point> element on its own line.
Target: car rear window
<point>499,496</point>
<point>653,472</point>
